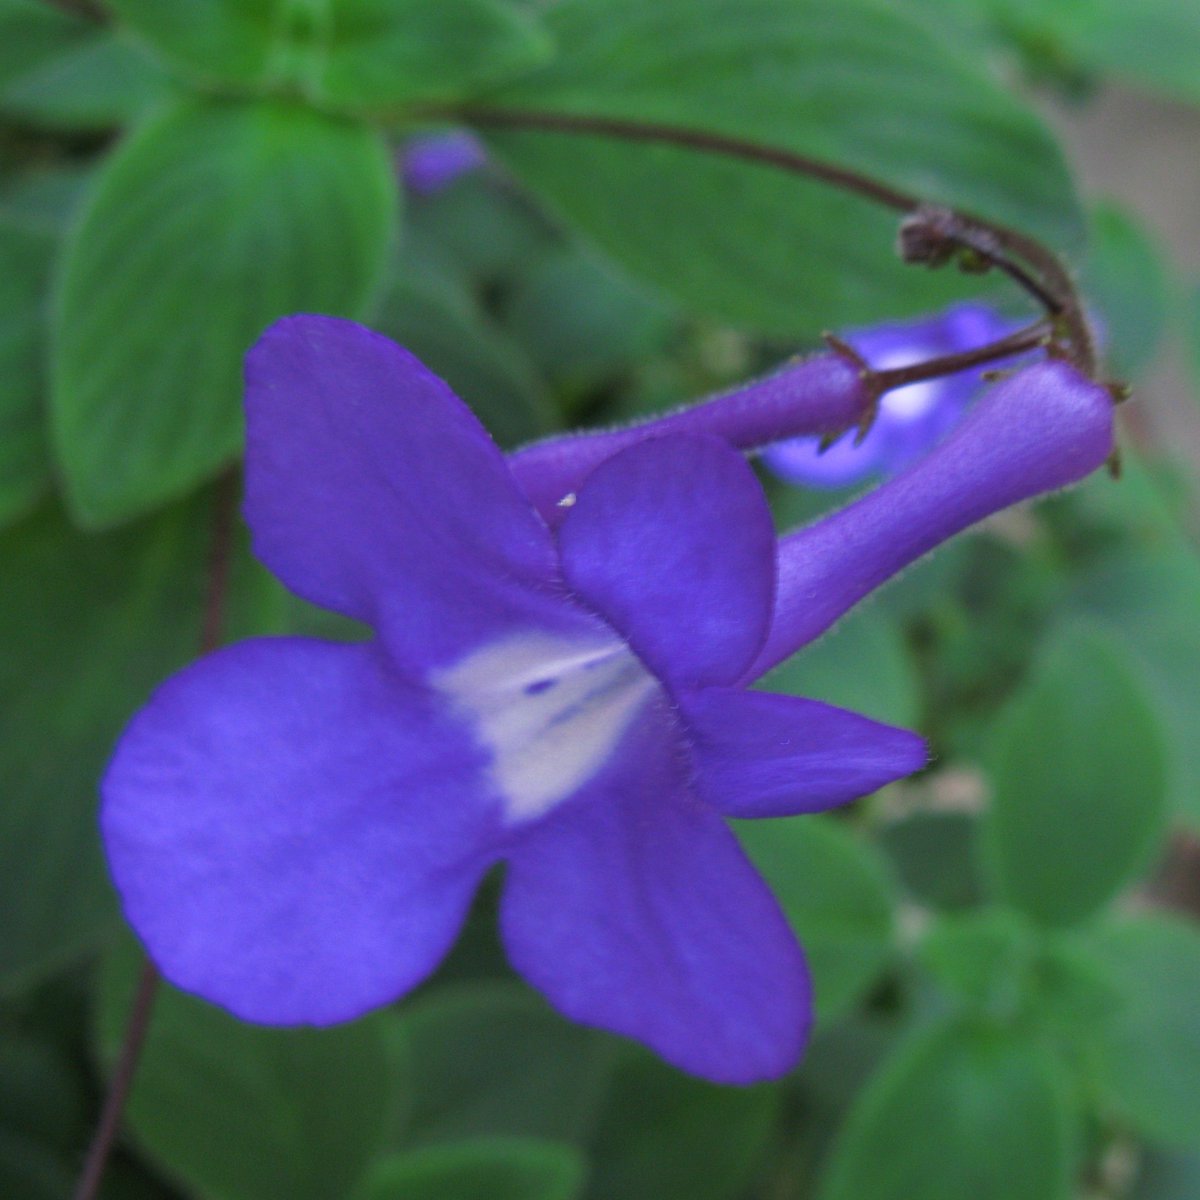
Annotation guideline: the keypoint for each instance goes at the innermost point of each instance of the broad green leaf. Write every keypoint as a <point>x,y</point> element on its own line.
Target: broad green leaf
<point>490,1058</point>
<point>861,665</point>
<point>666,1136</point>
<point>449,334</point>
<point>26,256</point>
<point>1149,601</point>
<point>1163,1175</point>
<point>481,231</point>
<point>1153,43</point>
<point>834,888</point>
<point>959,1111</point>
<point>90,625</point>
<point>1146,589</point>
<point>44,197</point>
<point>583,321</point>
<point>983,958</point>
<point>243,1112</point>
<point>1149,1049</point>
<point>838,1064</point>
<point>1126,278</point>
<point>43,1121</point>
<point>384,52</point>
<point>849,81</point>
<point>934,856</point>
<point>97,83</point>
<point>479,1169</point>
<point>1079,782</point>
<point>211,220</point>
<point>33,33</point>
<point>998,967</point>
<point>349,53</point>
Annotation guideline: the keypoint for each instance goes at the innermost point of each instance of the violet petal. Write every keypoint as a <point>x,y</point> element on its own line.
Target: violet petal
<point>757,754</point>
<point>295,835</point>
<point>373,490</point>
<point>633,908</point>
<point>671,542</point>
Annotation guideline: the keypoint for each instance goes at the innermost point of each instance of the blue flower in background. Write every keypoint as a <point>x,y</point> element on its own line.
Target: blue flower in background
<point>433,161</point>
<point>297,827</point>
<point>910,419</point>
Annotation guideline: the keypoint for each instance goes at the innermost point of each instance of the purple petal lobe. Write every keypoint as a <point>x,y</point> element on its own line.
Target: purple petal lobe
<point>819,395</point>
<point>633,908</point>
<point>295,835</point>
<point>672,543</point>
<point>1039,430</point>
<point>371,489</point>
<point>757,754</point>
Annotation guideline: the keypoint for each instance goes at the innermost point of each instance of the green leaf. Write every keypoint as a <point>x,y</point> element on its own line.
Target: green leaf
<point>26,256</point>
<point>44,198</point>
<point>1079,783</point>
<point>1152,43</point>
<point>349,53</point>
<point>385,52</point>
<point>959,1111</point>
<point>1163,1175</point>
<point>481,1169</point>
<point>211,220</point>
<point>33,33</point>
<point>90,625</point>
<point>1146,590</point>
<point>43,1118</point>
<point>480,230</point>
<point>451,336</point>
<point>862,664</point>
<point>243,1112</point>
<point>983,958</point>
<point>849,81</point>
<point>934,855</point>
<point>583,321</point>
<point>491,1058</point>
<point>666,1136</point>
<point>98,83</point>
<point>1148,1053</point>
<point>836,893</point>
<point>1126,278</point>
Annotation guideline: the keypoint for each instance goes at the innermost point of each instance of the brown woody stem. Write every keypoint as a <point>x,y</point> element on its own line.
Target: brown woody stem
<point>930,234</point>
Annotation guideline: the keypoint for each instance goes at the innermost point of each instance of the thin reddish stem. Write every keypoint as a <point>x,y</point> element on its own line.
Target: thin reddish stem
<point>138,1023</point>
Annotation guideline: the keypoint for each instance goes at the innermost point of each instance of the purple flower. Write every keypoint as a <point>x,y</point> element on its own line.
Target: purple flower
<point>911,419</point>
<point>433,161</point>
<point>297,827</point>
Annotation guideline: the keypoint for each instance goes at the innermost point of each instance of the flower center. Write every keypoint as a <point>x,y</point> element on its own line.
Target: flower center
<point>549,709</point>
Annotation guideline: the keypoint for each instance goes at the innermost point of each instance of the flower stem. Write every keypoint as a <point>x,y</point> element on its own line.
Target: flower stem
<point>1031,337</point>
<point>931,234</point>
<point>216,589</point>
<point>118,1091</point>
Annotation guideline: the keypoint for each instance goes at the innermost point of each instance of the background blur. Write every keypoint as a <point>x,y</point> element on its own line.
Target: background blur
<point>1005,949</point>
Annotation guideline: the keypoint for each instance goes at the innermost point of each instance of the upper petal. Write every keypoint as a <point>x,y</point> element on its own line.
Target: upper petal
<point>671,542</point>
<point>373,490</point>
<point>762,755</point>
<point>633,908</point>
<point>295,835</point>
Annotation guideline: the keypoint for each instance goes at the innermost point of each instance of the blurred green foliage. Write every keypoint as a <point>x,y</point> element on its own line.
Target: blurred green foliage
<point>1004,1009</point>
